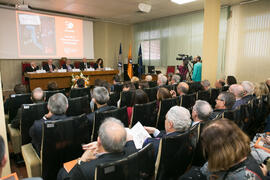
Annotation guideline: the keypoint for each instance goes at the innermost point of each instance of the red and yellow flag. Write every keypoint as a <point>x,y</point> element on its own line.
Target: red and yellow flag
<point>130,70</point>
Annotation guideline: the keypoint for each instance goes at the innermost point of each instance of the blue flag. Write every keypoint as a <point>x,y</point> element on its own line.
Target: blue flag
<point>140,63</point>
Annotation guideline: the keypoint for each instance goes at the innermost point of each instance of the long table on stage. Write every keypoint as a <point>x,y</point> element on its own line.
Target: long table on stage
<point>63,79</point>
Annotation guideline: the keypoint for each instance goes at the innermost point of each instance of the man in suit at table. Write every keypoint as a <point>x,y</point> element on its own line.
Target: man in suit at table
<point>49,67</point>
<point>32,68</point>
<point>84,65</point>
<point>68,66</point>
<point>177,122</point>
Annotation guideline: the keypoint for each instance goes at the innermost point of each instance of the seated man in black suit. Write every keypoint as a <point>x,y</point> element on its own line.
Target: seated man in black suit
<point>100,98</point>
<point>49,67</point>
<point>201,112</point>
<point>57,106</point>
<point>37,96</point>
<point>68,66</point>
<point>84,65</point>
<point>177,122</point>
<point>32,68</point>
<point>112,145</point>
<point>224,102</point>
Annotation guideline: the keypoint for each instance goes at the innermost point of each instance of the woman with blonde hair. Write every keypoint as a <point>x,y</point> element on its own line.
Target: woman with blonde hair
<point>227,148</point>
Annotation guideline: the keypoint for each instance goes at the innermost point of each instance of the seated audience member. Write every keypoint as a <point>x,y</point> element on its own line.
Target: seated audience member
<point>268,83</point>
<point>149,78</point>
<point>201,112</point>
<point>238,92</point>
<point>68,66</point>
<point>228,151</point>
<point>37,96</point>
<point>261,89</point>
<point>175,79</point>
<point>49,67</point>
<point>248,91</point>
<point>84,65</point>
<point>134,79</point>
<point>162,93</point>
<point>32,68</point>
<point>143,85</point>
<point>169,78</point>
<point>80,83</point>
<point>18,89</point>
<point>3,155</point>
<point>219,84</point>
<point>206,85</point>
<point>57,106</point>
<point>52,86</point>
<point>99,64</point>
<point>162,80</point>
<point>139,97</point>
<point>224,102</point>
<point>112,145</point>
<point>128,86</point>
<point>182,89</point>
<point>231,80</point>
<point>116,80</point>
<point>177,122</point>
<point>100,97</point>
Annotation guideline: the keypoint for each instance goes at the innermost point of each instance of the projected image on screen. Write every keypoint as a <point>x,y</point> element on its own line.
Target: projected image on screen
<point>49,36</point>
<point>36,35</point>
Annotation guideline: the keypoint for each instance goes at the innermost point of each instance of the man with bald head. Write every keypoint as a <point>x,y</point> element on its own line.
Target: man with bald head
<point>49,67</point>
<point>182,89</point>
<point>238,92</point>
<point>111,145</point>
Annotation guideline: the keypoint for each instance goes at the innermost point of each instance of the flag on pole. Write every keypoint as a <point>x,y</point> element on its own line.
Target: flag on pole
<point>120,64</point>
<point>140,63</point>
<point>130,70</point>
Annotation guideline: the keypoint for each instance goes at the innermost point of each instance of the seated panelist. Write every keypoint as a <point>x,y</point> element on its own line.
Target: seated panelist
<point>84,65</point>
<point>49,67</point>
<point>68,66</point>
<point>99,64</point>
<point>32,68</point>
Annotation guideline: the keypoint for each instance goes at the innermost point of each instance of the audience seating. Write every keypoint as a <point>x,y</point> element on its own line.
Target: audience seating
<point>170,87</point>
<point>188,100</point>
<point>151,93</point>
<point>175,154</point>
<point>48,94</point>
<point>170,69</point>
<point>152,84</point>
<point>61,142</point>
<point>78,106</point>
<point>120,113</point>
<point>214,94</point>
<point>204,95</point>
<point>164,107</point>
<point>16,100</point>
<point>146,114</point>
<point>114,98</point>
<point>79,92</point>
<point>30,113</point>
<point>225,88</point>
<point>126,98</point>
<point>118,88</point>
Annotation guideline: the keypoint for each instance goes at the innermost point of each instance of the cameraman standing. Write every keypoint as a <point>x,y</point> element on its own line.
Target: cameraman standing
<point>183,70</point>
<point>197,70</point>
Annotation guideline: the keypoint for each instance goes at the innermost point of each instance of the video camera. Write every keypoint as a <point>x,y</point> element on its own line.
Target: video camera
<point>184,57</point>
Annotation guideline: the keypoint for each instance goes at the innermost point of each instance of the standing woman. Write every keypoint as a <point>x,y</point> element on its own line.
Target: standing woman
<point>99,64</point>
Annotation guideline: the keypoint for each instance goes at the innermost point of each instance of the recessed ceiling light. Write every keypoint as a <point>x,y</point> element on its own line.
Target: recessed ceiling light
<point>182,1</point>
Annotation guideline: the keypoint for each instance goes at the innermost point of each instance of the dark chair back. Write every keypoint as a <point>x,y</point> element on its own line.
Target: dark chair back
<point>78,106</point>
<point>118,88</point>
<point>30,113</point>
<point>151,93</point>
<point>80,92</point>
<point>204,95</point>
<point>146,162</point>
<point>175,155</point>
<point>170,87</point>
<point>213,97</point>
<point>152,84</point>
<point>62,142</point>
<point>225,88</point>
<point>16,100</point>
<point>164,107</point>
<point>188,100</point>
<point>126,98</point>
<point>145,113</point>
<point>48,94</point>
<point>120,113</point>
<point>114,97</point>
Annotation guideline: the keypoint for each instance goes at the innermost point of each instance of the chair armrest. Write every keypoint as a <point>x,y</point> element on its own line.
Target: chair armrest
<point>32,161</point>
<point>16,139</point>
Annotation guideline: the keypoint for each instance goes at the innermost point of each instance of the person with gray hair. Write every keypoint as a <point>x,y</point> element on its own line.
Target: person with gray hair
<point>206,85</point>
<point>201,112</point>
<point>57,107</point>
<point>248,91</point>
<point>100,97</point>
<point>238,92</point>
<point>177,122</point>
<point>148,78</point>
<point>112,145</point>
<point>162,80</point>
<point>175,79</point>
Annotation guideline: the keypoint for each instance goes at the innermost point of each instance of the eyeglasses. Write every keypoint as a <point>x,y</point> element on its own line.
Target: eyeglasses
<point>219,99</point>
